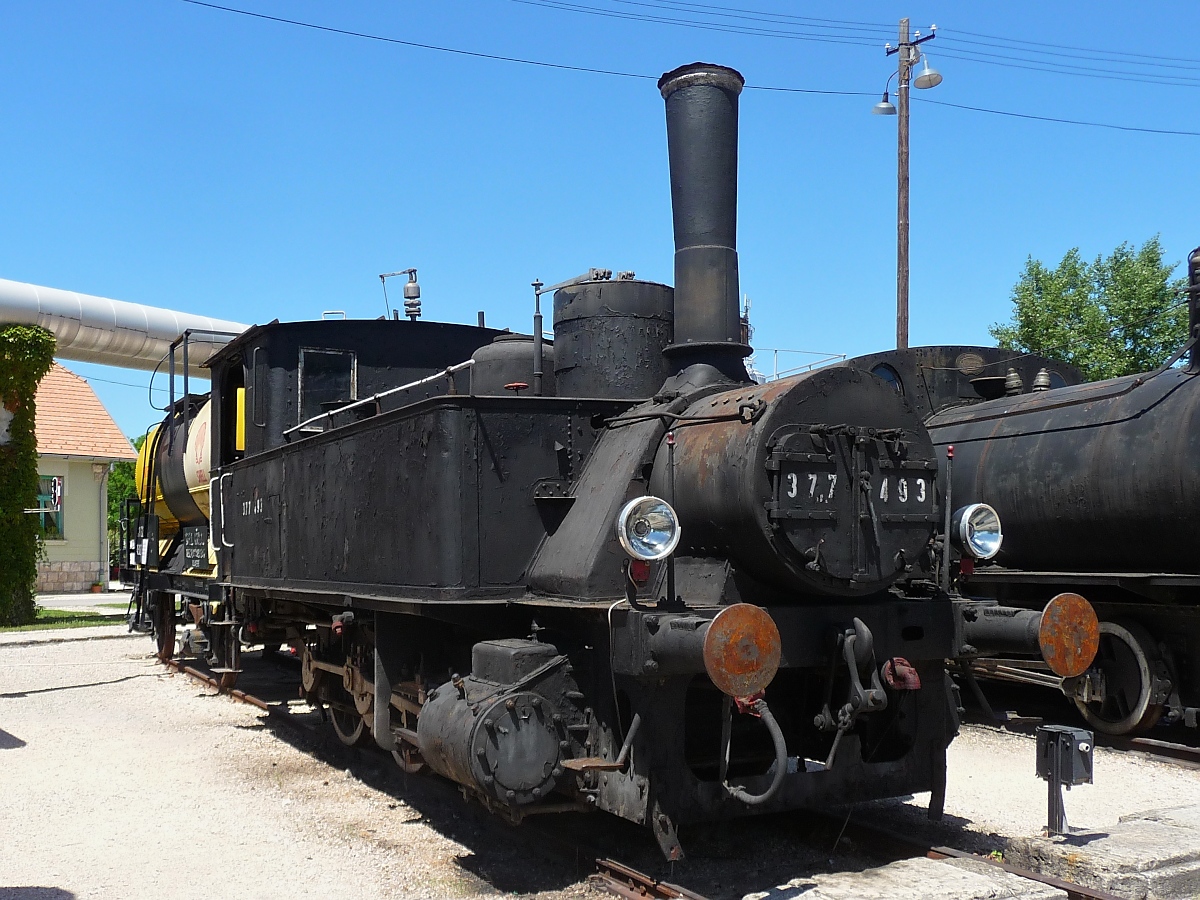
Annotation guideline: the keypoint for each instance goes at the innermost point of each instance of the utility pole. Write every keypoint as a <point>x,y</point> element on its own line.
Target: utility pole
<point>905,72</point>
<point>908,56</point>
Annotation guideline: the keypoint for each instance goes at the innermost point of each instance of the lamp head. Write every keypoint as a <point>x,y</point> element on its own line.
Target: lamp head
<point>928,78</point>
<point>884,107</point>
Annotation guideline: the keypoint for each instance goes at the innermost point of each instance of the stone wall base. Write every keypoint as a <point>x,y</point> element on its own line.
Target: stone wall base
<point>66,577</point>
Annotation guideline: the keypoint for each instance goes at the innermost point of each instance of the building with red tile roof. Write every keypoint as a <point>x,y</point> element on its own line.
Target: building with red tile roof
<point>77,442</point>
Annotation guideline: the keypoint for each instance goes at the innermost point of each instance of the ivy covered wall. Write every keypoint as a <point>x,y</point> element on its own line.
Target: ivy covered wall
<point>26,352</point>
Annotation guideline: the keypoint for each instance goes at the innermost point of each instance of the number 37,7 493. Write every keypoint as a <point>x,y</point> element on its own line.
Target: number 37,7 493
<point>818,487</point>
<point>821,487</point>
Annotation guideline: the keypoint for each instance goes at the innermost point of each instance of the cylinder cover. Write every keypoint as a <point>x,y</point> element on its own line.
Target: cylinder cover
<point>506,747</point>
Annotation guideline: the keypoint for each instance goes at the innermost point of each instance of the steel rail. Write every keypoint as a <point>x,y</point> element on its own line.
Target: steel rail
<point>622,881</point>
<point>213,683</point>
<point>1163,750</point>
<point>900,845</point>
<point>1187,755</point>
<point>1073,891</point>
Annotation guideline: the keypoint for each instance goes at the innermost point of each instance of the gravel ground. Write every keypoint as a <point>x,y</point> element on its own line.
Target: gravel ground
<point>121,781</point>
<point>993,793</point>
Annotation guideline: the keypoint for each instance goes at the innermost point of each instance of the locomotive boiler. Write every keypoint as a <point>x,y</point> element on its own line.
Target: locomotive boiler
<point>611,572</point>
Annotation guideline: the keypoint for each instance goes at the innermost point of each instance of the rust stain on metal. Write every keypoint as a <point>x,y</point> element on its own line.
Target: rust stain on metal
<point>1069,635</point>
<point>742,649</point>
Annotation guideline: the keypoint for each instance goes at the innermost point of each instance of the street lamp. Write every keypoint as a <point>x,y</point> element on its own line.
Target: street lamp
<point>884,107</point>
<point>929,77</point>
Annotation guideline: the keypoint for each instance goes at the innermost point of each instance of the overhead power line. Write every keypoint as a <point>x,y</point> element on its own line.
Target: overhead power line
<point>1057,69</point>
<point>885,29</point>
<point>1103,56</point>
<point>855,40</point>
<point>328,29</point>
<point>797,29</point>
<point>765,15</point>
<point>1150,56</point>
<point>391,40</point>
<point>1018,115</point>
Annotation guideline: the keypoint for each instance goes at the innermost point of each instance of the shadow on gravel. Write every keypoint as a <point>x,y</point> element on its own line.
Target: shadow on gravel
<point>14,695</point>
<point>725,860</point>
<point>35,893</point>
<point>9,742</point>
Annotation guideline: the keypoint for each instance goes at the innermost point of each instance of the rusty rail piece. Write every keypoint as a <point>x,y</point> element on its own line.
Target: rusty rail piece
<point>890,843</point>
<point>1074,891</point>
<point>622,881</point>
<point>213,683</point>
<point>1163,750</point>
<point>1186,755</point>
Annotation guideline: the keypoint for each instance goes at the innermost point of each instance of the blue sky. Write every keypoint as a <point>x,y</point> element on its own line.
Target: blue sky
<point>165,153</point>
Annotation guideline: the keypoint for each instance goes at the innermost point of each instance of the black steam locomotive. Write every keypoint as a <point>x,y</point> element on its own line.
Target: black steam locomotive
<point>611,572</point>
<point>1097,486</point>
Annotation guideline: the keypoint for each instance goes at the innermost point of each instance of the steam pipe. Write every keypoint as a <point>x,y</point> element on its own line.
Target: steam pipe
<point>702,121</point>
<point>111,332</point>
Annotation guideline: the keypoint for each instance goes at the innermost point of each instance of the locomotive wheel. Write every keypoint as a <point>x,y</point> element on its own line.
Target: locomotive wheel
<point>310,676</point>
<point>227,680</point>
<point>164,626</point>
<point>1129,658</point>
<point>408,758</point>
<point>349,726</point>
<point>362,692</point>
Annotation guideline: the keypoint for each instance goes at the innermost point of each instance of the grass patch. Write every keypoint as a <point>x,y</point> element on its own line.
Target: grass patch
<point>64,618</point>
<point>124,604</point>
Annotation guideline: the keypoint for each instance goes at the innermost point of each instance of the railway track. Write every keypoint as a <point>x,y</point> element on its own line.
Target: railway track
<point>1022,707</point>
<point>888,844</point>
<point>623,880</point>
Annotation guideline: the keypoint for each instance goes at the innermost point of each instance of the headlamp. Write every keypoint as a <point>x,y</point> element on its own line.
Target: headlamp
<point>975,531</point>
<point>648,528</point>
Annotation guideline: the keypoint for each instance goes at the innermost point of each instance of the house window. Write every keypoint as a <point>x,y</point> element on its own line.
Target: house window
<point>50,507</point>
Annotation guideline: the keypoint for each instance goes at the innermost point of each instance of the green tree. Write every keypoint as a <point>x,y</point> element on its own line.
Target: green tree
<point>26,352</point>
<point>1115,316</point>
<point>122,485</point>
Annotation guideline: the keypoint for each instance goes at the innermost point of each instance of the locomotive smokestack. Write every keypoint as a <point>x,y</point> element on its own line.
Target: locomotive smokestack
<point>1194,305</point>
<point>702,135</point>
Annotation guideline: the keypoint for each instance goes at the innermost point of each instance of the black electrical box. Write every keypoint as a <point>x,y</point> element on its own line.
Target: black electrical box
<point>144,548</point>
<point>1073,749</point>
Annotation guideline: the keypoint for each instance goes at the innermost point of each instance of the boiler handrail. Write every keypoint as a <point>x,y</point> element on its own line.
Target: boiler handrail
<point>374,398</point>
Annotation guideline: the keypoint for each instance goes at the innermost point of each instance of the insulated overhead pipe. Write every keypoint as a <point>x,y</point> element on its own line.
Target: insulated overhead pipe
<point>112,332</point>
<point>702,136</point>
